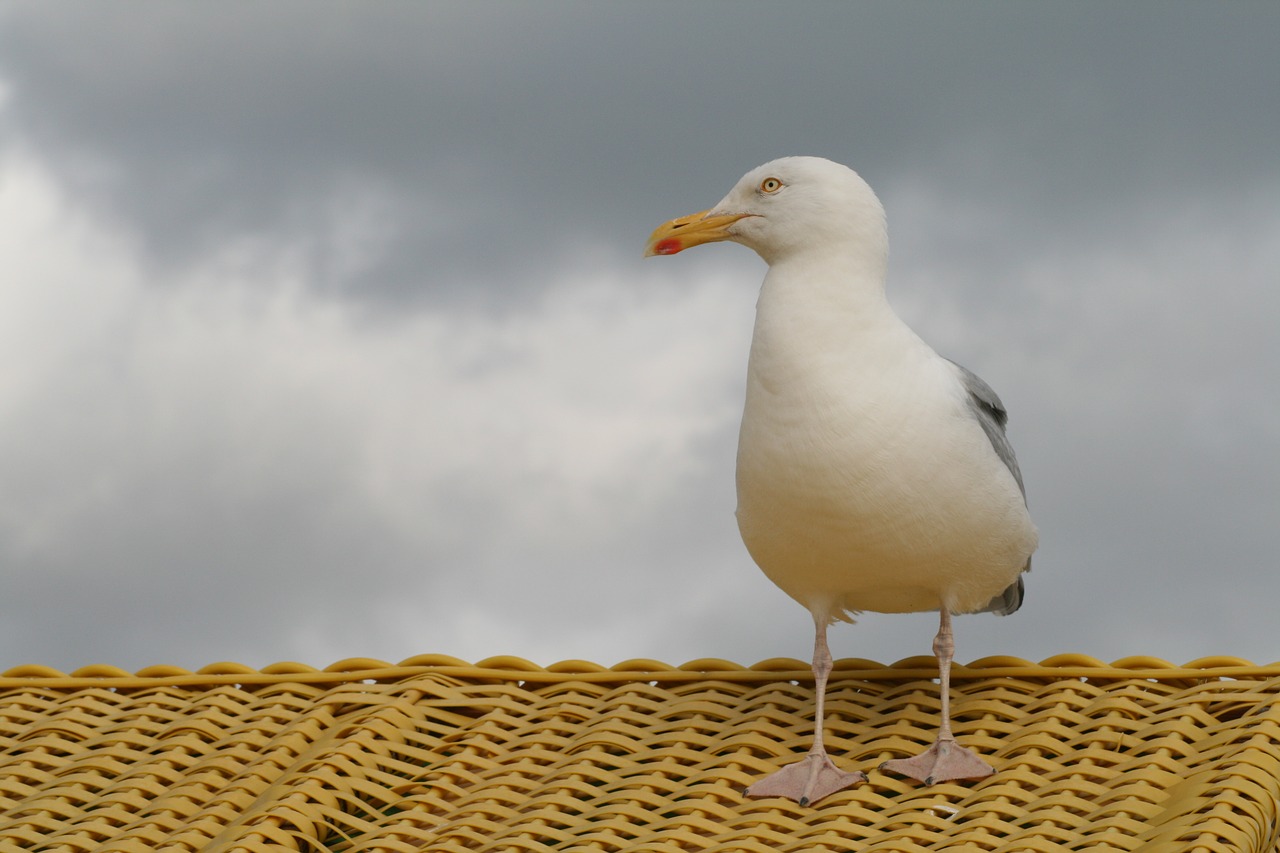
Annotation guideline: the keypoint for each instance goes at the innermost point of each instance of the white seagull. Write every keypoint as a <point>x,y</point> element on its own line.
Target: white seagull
<point>873,474</point>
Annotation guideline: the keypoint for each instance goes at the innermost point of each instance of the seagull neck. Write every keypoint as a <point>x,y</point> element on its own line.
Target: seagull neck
<point>838,284</point>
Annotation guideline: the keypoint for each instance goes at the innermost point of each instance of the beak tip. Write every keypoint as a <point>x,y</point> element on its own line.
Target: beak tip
<point>669,246</point>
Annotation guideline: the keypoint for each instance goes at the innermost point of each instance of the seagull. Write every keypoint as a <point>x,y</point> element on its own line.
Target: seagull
<point>872,473</point>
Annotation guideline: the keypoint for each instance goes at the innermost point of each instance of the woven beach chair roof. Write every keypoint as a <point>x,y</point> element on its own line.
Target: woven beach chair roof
<point>438,754</point>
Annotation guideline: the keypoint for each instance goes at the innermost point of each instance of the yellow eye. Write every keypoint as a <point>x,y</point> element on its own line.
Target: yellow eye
<point>770,185</point>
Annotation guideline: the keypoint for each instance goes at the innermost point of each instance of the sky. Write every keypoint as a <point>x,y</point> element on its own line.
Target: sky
<point>325,330</point>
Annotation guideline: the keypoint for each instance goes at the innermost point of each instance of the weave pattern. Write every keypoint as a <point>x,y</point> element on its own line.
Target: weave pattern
<point>439,755</point>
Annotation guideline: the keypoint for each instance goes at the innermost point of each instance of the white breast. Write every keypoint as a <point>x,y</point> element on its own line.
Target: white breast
<point>864,480</point>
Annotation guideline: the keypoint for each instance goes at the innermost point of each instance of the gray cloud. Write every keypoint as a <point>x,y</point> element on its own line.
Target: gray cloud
<point>569,126</point>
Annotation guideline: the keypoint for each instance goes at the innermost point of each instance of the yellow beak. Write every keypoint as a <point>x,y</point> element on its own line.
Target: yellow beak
<point>692,230</point>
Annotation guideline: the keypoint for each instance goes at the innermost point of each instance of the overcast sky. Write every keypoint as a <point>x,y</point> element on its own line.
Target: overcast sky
<point>324,330</point>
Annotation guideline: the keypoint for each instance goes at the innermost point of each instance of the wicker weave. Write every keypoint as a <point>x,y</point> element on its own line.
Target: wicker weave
<point>435,754</point>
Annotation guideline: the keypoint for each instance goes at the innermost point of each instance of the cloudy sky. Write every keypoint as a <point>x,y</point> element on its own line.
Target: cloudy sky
<point>324,330</point>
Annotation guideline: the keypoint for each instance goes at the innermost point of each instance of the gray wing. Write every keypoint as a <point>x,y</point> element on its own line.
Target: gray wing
<point>985,405</point>
<point>991,415</point>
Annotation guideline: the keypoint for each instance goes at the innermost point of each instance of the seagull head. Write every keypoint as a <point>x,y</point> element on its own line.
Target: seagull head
<point>789,206</point>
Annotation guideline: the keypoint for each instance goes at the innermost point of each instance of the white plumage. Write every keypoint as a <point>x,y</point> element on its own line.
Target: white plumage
<point>873,474</point>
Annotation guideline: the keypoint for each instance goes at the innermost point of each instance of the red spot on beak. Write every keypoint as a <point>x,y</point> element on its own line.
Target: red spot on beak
<point>668,246</point>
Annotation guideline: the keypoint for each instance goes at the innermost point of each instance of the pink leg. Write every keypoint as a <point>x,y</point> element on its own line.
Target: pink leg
<point>945,759</point>
<point>816,775</point>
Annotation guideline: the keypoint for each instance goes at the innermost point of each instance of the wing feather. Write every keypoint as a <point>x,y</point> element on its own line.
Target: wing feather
<point>992,416</point>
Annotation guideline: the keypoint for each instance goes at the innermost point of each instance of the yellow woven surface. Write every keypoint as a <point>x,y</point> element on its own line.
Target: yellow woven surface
<point>434,754</point>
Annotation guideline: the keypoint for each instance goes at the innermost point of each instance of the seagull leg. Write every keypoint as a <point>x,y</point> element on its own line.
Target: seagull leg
<point>945,759</point>
<point>816,775</point>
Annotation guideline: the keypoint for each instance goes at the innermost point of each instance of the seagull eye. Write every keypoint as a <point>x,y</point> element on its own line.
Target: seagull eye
<point>770,185</point>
